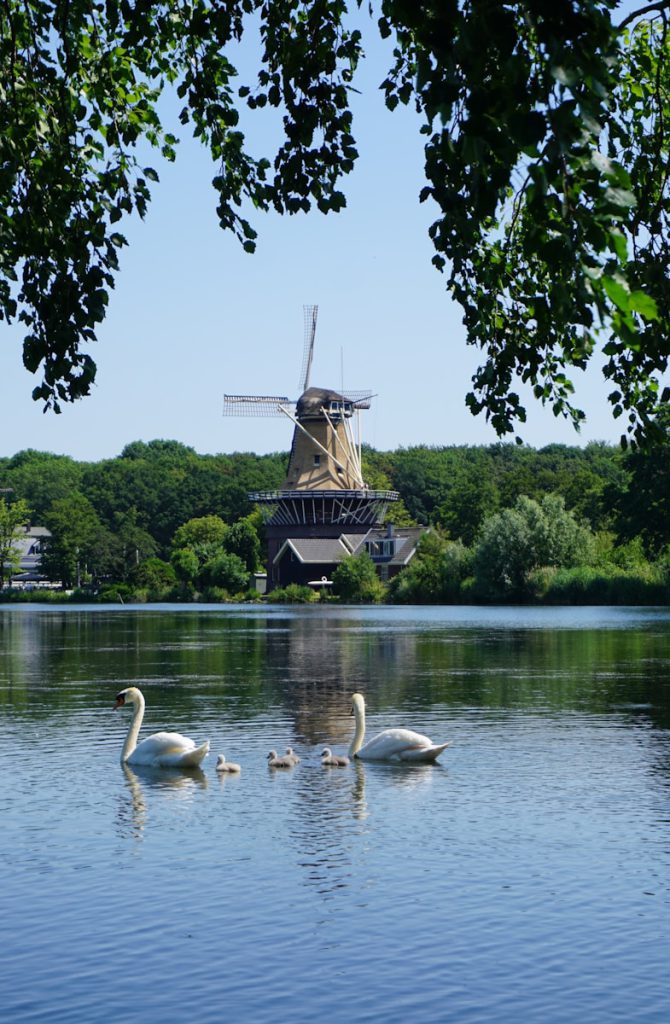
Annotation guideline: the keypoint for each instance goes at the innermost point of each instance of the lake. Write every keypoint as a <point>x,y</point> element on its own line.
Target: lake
<point>524,878</point>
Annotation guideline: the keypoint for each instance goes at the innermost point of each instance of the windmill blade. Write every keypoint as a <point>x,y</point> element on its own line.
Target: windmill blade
<point>359,399</point>
<point>310,314</point>
<point>255,405</point>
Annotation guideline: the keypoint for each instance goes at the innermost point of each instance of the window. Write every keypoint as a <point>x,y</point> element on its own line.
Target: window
<point>317,460</point>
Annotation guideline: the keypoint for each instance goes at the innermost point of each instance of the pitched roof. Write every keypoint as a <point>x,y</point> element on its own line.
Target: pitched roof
<point>314,550</point>
<point>405,540</point>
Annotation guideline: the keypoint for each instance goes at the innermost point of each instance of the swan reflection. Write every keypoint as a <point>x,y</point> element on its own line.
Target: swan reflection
<point>173,784</point>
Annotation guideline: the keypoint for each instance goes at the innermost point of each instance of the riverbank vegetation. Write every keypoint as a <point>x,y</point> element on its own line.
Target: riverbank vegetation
<point>508,523</point>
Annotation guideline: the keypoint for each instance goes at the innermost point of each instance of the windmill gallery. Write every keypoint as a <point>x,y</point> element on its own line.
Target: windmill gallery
<point>324,511</point>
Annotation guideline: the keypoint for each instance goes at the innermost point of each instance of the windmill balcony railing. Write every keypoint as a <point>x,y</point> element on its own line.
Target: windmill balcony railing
<point>325,507</point>
<point>336,495</point>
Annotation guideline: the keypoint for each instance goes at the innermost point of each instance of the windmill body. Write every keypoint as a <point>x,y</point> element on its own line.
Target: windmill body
<point>324,496</point>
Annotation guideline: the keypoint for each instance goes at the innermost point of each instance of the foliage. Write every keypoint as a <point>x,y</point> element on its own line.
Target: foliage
<point>294,593</point>
<point>546,155</point>
<point>436,573</point>
<point>642,585</point>
<point>120,513</point>
<point>186,564</point>
<point>516,541</point>
<point>242,540</point>
<point>201,534</point>
<point>13,516</point>
<point>155,576</point>
<point>80,546</point>
<point>643,509</point>
<point>226,571</point>
<point>356,580</point>
<point>82,88</point>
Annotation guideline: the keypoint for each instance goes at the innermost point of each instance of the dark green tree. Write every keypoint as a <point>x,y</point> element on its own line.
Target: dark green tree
<point>243,541</point>
<point>80,546</point>
<point>226,571</point>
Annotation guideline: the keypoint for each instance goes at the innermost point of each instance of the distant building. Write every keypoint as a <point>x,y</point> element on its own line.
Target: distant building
<point>29,544</point>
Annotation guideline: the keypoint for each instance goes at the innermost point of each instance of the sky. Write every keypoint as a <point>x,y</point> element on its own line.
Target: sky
<point>193,317</point>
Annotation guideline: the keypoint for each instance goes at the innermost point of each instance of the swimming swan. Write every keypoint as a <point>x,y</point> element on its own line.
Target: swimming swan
<point>391,744</point>
<point>163,749</point>
<point>226,766</point>
<point>291,755</point>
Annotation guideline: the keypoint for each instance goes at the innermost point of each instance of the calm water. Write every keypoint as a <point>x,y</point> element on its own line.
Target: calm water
<point>525,879</point>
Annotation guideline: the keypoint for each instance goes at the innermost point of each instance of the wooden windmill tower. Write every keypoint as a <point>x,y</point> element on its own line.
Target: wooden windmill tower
<point>324,495</point>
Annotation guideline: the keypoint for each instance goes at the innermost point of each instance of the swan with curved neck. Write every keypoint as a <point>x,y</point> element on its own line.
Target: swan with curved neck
<point>163,749</point>
<point>391,744</point>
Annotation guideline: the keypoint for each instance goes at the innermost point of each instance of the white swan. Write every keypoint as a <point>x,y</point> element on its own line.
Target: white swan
<point>290,753</point>
<point>391,744</point>
<point>332,760</point>
<point>163,749</point>
<point>226,766</point>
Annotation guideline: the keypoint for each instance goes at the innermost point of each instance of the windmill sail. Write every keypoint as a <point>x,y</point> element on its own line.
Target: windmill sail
<point>310,314</point>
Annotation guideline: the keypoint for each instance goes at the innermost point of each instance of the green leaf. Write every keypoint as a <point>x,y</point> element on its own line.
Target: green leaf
<point>618,292</point>
<point>644,304</point>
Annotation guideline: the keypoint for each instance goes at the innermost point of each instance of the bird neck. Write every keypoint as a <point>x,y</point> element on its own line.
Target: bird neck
<point>134,727</point>
<point>359,732</point>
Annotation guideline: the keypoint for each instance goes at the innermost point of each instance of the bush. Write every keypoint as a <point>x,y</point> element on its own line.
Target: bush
<point>435,575</point>
<point>294,593</point>
<point>610,584</point>
<point>519,540</point>
<point>225,571</point>
<point>115,593</point>
<point>356,581</point>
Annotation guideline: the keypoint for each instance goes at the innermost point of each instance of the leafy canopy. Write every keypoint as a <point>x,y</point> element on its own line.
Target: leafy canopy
<point>546,148</point>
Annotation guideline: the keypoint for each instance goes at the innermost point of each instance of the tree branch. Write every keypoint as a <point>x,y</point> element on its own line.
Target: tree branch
<point>660,5</point>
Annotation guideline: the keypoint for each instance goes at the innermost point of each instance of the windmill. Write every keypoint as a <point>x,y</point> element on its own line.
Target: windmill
<point>324,453</point>
<point>324,501</point>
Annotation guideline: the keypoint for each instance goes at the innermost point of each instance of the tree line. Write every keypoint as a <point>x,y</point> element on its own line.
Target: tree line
<point>161,520</point>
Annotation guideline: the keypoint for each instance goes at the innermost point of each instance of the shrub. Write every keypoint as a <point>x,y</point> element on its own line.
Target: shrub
<point>294,593</point>
<point>356,581</point>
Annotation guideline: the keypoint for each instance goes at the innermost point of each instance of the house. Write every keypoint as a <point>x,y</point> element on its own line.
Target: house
<point>29,544</point>
<point>312,560</point>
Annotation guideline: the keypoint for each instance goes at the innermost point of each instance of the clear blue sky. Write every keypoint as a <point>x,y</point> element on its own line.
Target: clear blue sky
<point>193,316</point>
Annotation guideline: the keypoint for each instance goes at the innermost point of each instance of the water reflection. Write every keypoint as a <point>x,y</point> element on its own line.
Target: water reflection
<point>172,784</point>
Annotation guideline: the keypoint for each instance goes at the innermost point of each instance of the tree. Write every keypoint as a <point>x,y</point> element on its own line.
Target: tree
<point>227,571</point>
<point>243,541</point>
<point>13,516</point>
<point>356,580</point>
<point>133,544</point>
<point>82,85</point>
<point>546,159</point>
<point>200,533</point>
<point>518,540</point>
<point>435,574</point>
<point>154,575</point>
<point>644,507</point>
<point>79,545</point>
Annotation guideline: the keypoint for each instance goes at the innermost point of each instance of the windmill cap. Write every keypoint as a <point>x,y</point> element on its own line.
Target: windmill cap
<point>313,401</point>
